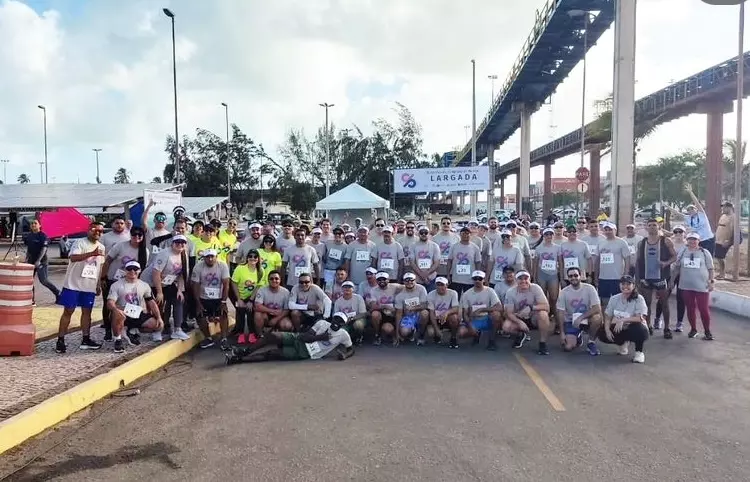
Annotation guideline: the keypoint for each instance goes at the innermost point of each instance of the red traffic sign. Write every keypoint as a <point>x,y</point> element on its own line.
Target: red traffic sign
<point>582,174</point>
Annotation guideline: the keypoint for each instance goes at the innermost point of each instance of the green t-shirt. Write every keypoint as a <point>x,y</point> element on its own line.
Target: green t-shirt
<point>247,281</point>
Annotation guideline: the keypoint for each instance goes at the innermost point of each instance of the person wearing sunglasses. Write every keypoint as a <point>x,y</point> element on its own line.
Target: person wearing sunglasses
<point>227,237</point>
<point>382,307</point>
<point>81,286</point>
<point>503,254</point>
<point>576,254</point>
<point>412,315</point>
<point>424,259</point>
<point>117,258</point>
<point>355,308</point>
<point>481,311</point>
<point>132,308</point>
<point>444,308</point>
<point>579,311</point>
<point>209,283</point>
<point>158,231</point>
<point>270,257</point>
<point>287,239</point>
<point>247,279</point>
<point>464,259</point>
<point>271,307</point>
<point>307,303</point>
<point>376,230</point>
<point>526,307</point>
<point>167,275</point>
<point>334,255</point>
<point>298,259</point>
<point>358,256</point>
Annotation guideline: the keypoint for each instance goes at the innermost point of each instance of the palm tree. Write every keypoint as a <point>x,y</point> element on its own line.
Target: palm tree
<point>730,156</point>
<point>601,129</point>
<point>23,179</point>
<point>122,176</point>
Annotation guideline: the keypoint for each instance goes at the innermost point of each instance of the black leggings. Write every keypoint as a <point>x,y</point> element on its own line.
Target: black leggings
<point>680,303</point>
<point>106,315</point>
<point>172,306</point>
<point>245,318</point>
<point>635,332</point>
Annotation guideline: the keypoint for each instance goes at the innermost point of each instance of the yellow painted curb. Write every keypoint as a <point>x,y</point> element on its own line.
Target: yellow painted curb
<point>33,421</point>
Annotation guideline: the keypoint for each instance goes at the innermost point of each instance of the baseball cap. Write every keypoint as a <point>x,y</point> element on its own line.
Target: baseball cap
<point>409,276</point>
<point>179,238</point>
<point>477,274</point>
<point>627,279</point>
<point>317,231</point>
<point>255,226</point>
<point>522,273</point>
<point>341,315</point>
<point>441,280</point>
<point>347,284</point>
<point>693,236</point>
<point>209,252</point>
<point>387,229</point>
<point>371,270</point>
<point>131,264</point>
<point>548,230</point>
<point>382,275</point>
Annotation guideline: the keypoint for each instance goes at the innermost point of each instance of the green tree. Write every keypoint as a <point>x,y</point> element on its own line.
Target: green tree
<point>600,130</point>
<point>156,180</point>
<point>729,162</point>
<point>23,179</point>
<point>668,176</point>
<point>564,199</point>
<point>122,176</point>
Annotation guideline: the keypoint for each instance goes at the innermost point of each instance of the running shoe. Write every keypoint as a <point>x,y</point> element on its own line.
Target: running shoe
<point>593,349</point>
<point>134,337</point>
<point>157,336</point>
<point>639,357</point>
<point>437,339</point>
<point>108,334</point>
<point>667,334</point>
<point>678,327</point>
<point>692,333</point>
<point>453,344</point>
<point>520,340</point>
<point>623,349</point>
<point>241,339</point>
<point>206,343</point>
<point>658,324</point>
<point>708,336</point>
<point>119,346</point>
<point>180,335</point>
<point>224,344</point>
<point>378,341</point>
<point>89,344</point>
<point>420,342</point>
<point>60,346</point>
<point>542,349</point>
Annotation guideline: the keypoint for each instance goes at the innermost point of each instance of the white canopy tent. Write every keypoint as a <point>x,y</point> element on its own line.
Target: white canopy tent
<point>352,202</point>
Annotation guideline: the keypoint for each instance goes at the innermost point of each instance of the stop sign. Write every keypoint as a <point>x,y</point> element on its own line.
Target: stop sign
<point>582,174</point>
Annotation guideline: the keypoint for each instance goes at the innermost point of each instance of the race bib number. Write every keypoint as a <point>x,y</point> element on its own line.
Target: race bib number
<point>363,256</point>
<point>168,280</point>
<point>212,293</point>
<point>155,249</point>
<point>549,265</point>
<point>622,314</point>
<point>298,270</point>
<point>443,260</point>
<point>119,274</point>
<point>475,308</point>
<point>411,302</point>
<point>498,275</point>
<point>632,249</point>
<point>335,254</point>
<point>386,263</point>
<point>313,348</point>
<point>576,317</point>
<point>571,263</point>
<point>424,263</point>
<point>694,263</point>
<point>593,249</point>
<point>132,311</point>
<point>464,269</point>
<point>607,258</point>
<point>89,271</point>
<point>533,253</point>
<point>328,276</point>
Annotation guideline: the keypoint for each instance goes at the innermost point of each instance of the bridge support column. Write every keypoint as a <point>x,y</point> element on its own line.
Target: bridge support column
<point>502,193</point>
<point>714,155</point>
<point>595,185</point>
<point>523,200</point>
<point>547,203</point>
<point>491,190</point>
<point>519,199</point>
<point>623,110</point>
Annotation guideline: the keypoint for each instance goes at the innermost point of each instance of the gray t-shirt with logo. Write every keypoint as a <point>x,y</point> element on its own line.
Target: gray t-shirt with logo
<point>210,278</point>
<point>411,298</point>
<point>486,298</point>
<point>579,300</point>
<point>335,255</point>
<point>275,300</point>
<point>442,303</point>
<point>387,258</point>
<point>137,293</point>
<point>501,288</point>
<point>466,259</point>
<point>360,257</point>
<point>299,260</point>
<point>575,254</point>
<point>444,242</point>
<point>424,255</point>
<point>503,256</point>
<point>612,257</point>
<point>353,306</point>
<point>621,304</point>
<point>548,258</point>
<point>519,299</point>
<point>120,255</point>
<point>693,268</point>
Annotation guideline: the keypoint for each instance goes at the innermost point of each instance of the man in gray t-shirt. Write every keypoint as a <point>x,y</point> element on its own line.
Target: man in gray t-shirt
<point>504,254</point>
<point>299,259</point>
<point>445,239</point>
<point>359,256</point>
<point>575,254</point>
<point>578,309</point>
<point>464,258</point>
<point>388,256</point>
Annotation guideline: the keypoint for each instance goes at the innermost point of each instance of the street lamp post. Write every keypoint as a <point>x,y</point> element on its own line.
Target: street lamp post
<point>586,16</point>
<point>98,179</point>
<point>326,105</point>
<point>170,14</point>
<point>5,170</point>
<point>42,164</point>
<point>229,176</point>
<point>492,78</point>
<point>473,196</point>
<point>46,166</point>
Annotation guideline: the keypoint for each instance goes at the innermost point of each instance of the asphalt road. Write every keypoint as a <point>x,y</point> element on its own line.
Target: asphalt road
<point>430,414</point>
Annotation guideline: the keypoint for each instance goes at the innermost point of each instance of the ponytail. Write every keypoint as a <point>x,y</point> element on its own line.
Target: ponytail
<point>142,253</point>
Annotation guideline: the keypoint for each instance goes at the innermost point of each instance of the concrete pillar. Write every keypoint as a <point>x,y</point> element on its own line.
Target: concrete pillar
<point>623,110</point>
<point>523,200</point>
<point>502,193</point>
<point>714,168</point>
<point>519,186</point>
<point>491,187</point>
<point>595,186</point>
<point>547,203</point>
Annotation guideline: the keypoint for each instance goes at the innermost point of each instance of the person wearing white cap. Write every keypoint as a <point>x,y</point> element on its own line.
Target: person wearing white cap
<point>227,237</point>
<point>526,307</point>
<point>320,248</point>
<point>696,272</point>
<point>382,306</point>
<point>445,239</point>
<point>299,259</point>
<point>356,311</point>
<point>400,227</point>
<point>632,238</point>
<point>411,311</point>
<point>464,258</point>
<point>424,259</point>
<point>482,230</point>
<point>547,268</point>
<point>534,238</point>
<point>697,221</point>
<point>307,303</point>
<point>132,307</point>
<point>611,262</point>
<point>518,240</point>
<point>168,277</point>
<point>313,344</point>
<point>388,255</point>
<point>444,309</point>
<point>481,311</point>
<point>334,289</point>
<point>349,237</point>
<point>508,282</point>
<point>253,241</point>
<point>503,254</point>
<point>210,286</point>
<point>579,311</point>
<point>364,288</point>
<point>655,255</point>
<point>359,255</point>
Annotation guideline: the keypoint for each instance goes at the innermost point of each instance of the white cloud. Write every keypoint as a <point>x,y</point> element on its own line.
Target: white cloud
<point>104,71</point>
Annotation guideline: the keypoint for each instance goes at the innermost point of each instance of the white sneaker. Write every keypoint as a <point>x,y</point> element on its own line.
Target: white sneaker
<point>623,350</point>
<point>180,335</point>
<point>639,357</point>
<point>156,336</point>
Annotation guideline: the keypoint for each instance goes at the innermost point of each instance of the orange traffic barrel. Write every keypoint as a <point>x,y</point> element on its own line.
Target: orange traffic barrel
<point>17,331</point>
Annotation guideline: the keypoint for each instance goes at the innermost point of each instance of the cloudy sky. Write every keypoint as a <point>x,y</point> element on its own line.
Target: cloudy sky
<point>103,70</point>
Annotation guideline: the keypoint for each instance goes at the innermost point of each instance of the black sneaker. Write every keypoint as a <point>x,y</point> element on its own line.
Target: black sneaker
<point>108,335</point>
<point>557,329</point>
<point>378,341</point>
<point>60,346</point>
<point>224,344</point>
<point>358,340</point>
<point>491,346</point>
<point>651,331</point>
<point>119,346</point>
<point>135,338</point>
<point>667,334</point>
<point>693,333</point>
<point>453,344</point>
<point>206,343</point>
<point>708,336</point>
<point>678,327</point>
<point>542,349</point>
<point>520,340</point>
<point>89,344</point>
<point>437,339</point>
<point>477,337</point>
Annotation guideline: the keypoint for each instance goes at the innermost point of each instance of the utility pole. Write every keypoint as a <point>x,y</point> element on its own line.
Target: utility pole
<point>5,170</point>
<point>229,175</point>
<point>326,105</point>
<point>98,179</point>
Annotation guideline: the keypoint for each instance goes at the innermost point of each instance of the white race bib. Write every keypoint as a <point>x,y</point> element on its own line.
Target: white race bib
<point>313,348</point>
<point>549,265</point>
<point>329,275</point>
<point>575,317</point>
<point>363,256</point>
<point>443,259</point>
<point>335,254</point>
<point>212,293</point>
<point>593,249</point>
<point>533,253</point>
<point>475,308</point>
<point>571,263</point>
<point>622,314</point>
<point>463,269</point>
<point>119,274</point>
<point>498,275</point>
<point>132,311</point>
<point>411,302</point>
<point>298,270</point>
<point>168,280</point>
<point>424,263</point>
<point>89,271</point>
<point>632,249</point>
<point>607,258</point>
<point>694,263</point>
<point>386,263</point>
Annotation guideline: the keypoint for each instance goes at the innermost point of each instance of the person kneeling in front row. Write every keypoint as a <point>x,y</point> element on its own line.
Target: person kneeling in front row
<point>411,311</point>
<point>482,311</point>
<point>579,311</point>
<point>131,304</point>
<point>625,320</point>
<point>526,307</point>
<point>317,342</point>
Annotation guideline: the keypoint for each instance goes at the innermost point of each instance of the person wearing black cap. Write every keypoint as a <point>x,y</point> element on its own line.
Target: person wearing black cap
<point>625,320</point>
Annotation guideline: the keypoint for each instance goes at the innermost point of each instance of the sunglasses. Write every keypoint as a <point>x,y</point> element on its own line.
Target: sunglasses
<point>505,236</point>
<point>304,282</point>
<point>478,279</point>
<point>446,224</point>
<point>678,231</point>
<point>252,256</point>
<point>132,268</point>
<point>409,280</point>
<point>160,219</point>
<point>136,235</point>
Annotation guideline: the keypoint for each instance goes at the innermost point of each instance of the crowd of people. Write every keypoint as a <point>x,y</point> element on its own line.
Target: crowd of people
<point>301,292</point>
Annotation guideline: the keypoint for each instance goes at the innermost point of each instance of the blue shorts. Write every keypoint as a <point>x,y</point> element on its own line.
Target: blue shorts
<point>72,299</point>
<point>409,321</point>
<point>481,324</point>
<point>570,329</point>
<point>608,287</point>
